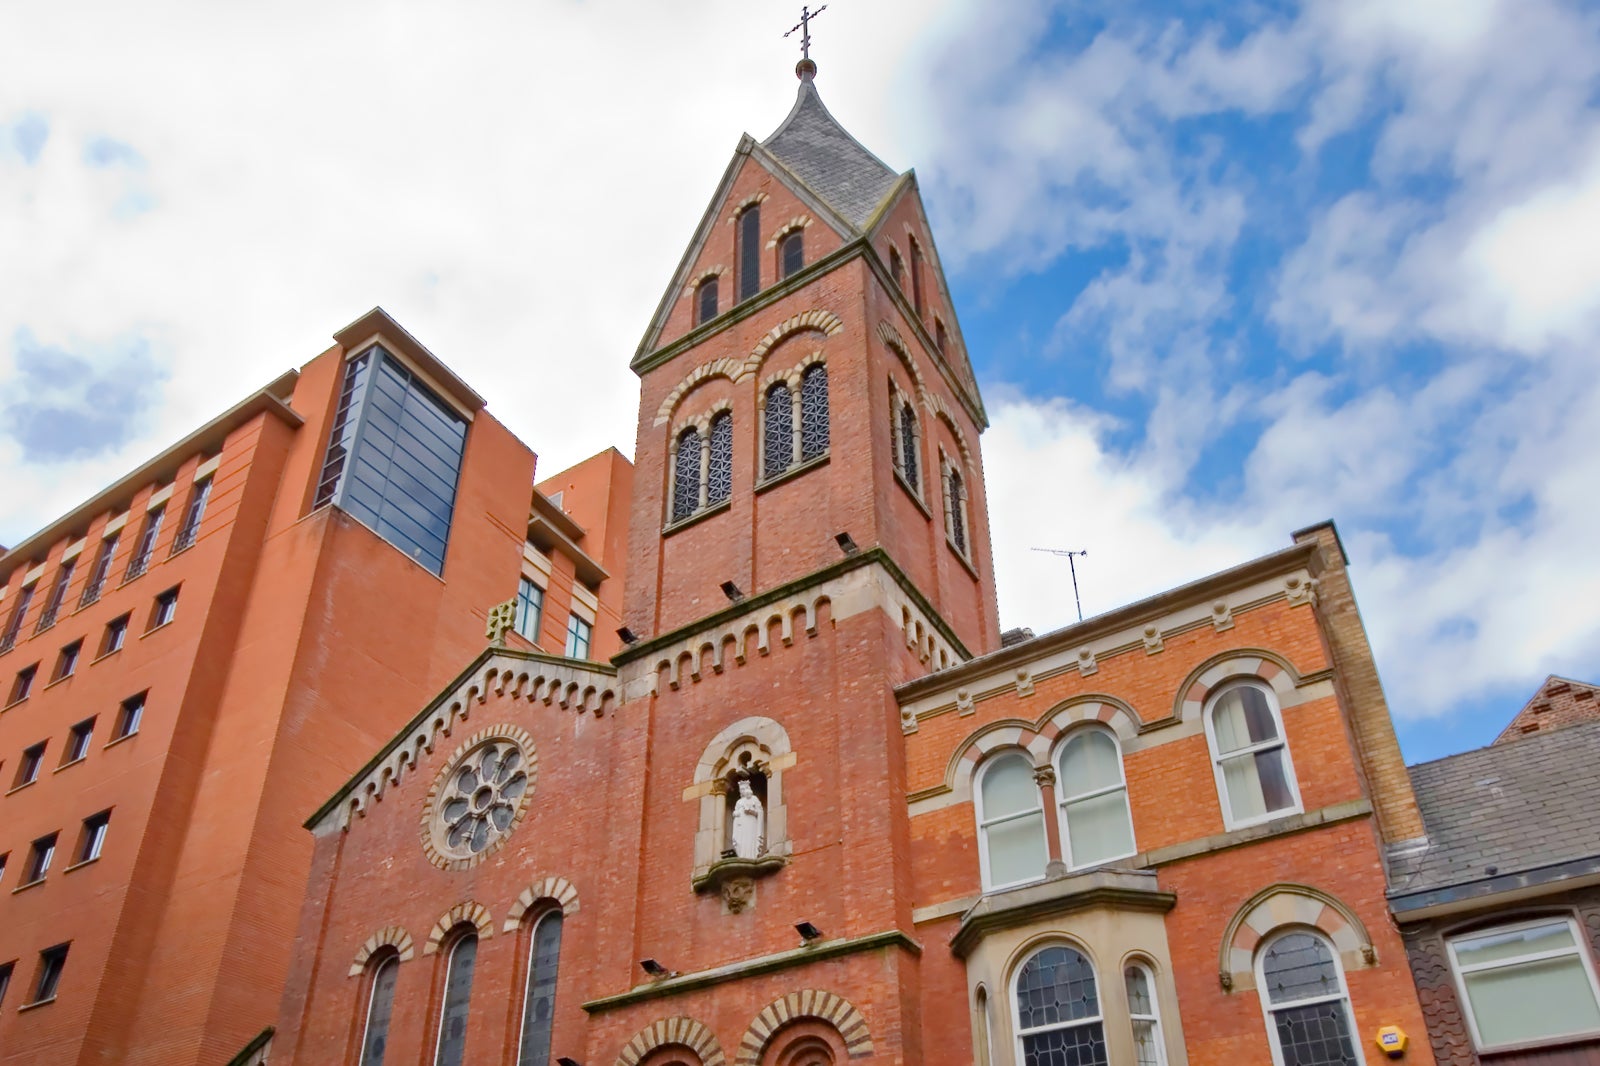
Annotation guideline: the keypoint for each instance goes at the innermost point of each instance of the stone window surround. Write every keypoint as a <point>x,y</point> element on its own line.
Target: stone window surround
<point>1352,1030</point>
<point>767,742</point>
<point>429,822</point>
<point>736,370</point>
<point>1289,905</point>
<point>681,1031</point>
<point>1262,685</point>
<point>790,379</point>
<point>701,425</point>
<point>811,1004</point>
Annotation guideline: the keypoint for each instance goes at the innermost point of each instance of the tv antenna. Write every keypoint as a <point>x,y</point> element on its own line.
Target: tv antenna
<point>1072,563</point>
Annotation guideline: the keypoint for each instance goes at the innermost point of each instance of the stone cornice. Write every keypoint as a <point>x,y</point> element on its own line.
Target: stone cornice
<point>1121,889</point>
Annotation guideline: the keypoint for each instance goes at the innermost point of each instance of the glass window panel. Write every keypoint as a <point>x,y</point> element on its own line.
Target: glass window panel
<point>539,1005</point>
<point>749,253</point>
<point>1016,850</point>
<point>1533,1000</point>
<point>1513,943</point>
<point>814,412</point>
<point>958,524</point>
<point>1008,787</point>
<point>708,300</point>
<point>719,475</point>
<point>779,440</point>
<point>1245,798</point>
<point>1315,1035</point>
<point>794,253</point>
<point>457,1003</point>
<point>1099,829</point>
<point>908,444</point>
<point>1083,1045</point>
<point>1139,1001</point>
<point>1146,1044</point>
<point>380,1008</point>
<point>1056,985</point>
<point>1300,966</point>
<point>530,608</point>
<point>686,476</point>
<point>1090,762</point>
<point>1243,717</point>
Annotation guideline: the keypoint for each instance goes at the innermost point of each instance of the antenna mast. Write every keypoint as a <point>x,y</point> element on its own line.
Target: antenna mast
<point>1072,563</point>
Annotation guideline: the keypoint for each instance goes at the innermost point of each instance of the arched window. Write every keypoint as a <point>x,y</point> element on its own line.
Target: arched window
<point>457,1002</point>
<point>750,252</point>
<point>1011,843</point>
<point>686,475</point>
<point>1145,1014</point>
<point>1058,1011</point>
<point>916,275</point>
<point>1095,824</point>
<point>538,1005</point>
<point>791,253</point>
<point>1308,1009</point>
<point>719,472</point>
<point>955,509</point>
<point>908,443</point>
<point>813,411</point>
<point>380,1006</point>
<point>897,268</point>
<point>1253,771</point>
<point>705,301</point>
<point>779,440</point>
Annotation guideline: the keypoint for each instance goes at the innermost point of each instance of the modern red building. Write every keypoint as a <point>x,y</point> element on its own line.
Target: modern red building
<point>817,809</point>
<point>192,660</point>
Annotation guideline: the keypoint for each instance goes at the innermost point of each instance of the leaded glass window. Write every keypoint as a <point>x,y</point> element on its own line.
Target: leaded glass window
<point>779,440</point>
<point>457,1003</point>
<point>958,521</point>
<point>908,444</point>
<point>813,411</point>
<point>538,1008</point>
<point>1253,767</point>
<point>719,472</point>
<point>791,254</point>
<point>686,475</point>
<point>1145,1016</point>
<point>706,300</point>
<point>750,252</point>
<point>1308,1010</point>
<point>380,1007</point>
<point>1058,1011</point>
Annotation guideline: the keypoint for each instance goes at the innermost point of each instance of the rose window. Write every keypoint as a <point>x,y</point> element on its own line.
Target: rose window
<point>479,801</point>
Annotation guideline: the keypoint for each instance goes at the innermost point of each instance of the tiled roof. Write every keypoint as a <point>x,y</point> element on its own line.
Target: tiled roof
<point>1514,807</point>
<point>834,164</point>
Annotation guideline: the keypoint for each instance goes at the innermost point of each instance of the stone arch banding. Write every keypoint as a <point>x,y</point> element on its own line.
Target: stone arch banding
<point>558,889</point>
<point>468,913</point>
<point>688,1032</point>
<point>392,936</point>
<point>1257,663</point>
<point>1289,904</point>
<point>811,1003</point>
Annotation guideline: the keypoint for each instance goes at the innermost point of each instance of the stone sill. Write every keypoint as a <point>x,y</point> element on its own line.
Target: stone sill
<point>19,788</point>
<point>109,654</point>
<point>792,472</point>
<point>118,740</point>
<point>80,865</point>
<point>699,516</point>
<point>1114,888</point>
<point>56,681</point>
<point>70,763</point>
<point>159,628</point>
<point>30,884</point>
<point>36,1003</point>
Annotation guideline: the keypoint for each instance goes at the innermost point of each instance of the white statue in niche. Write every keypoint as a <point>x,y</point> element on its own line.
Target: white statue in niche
<point>749,824</point>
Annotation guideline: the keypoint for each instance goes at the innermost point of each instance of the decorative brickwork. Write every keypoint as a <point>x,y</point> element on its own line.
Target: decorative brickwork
<point>811,1003</point>
<point>1270,667</point>
<point>683,1032</point>
<point>797,222</point>
<point>820,321</point>
<point>557,889</point>
<point>1289,904</point>
<point>737,208</point>
<point>389,937</point>
<point>475,914</point>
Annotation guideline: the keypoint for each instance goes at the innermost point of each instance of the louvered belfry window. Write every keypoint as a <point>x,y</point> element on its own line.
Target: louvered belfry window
<point>719,473</point>
<point>814,412</point>
<point>750,252</point>
<point>779,438</point>
<point>686,477</point>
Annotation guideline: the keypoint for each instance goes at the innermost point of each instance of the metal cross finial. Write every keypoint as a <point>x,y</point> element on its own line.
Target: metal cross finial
<point>804,26</point>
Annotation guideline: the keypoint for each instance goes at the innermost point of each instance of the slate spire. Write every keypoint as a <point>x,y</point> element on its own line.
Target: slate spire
<point>833,164</point>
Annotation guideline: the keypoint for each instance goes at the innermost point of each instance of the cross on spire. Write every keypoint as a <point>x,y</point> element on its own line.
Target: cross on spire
<point>804,26</point>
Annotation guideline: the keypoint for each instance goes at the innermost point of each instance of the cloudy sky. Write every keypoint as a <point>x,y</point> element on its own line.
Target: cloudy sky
<point>1224,270</point>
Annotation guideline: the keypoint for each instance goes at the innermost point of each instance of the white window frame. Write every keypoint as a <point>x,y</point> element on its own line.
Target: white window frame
<point>1154,1017</point>
<point>1062,798</point>
<point>1265,994</point>
<point>984,824</point>
<point>1208,715</point>
<point>1579,948</point>
<point>372,997</point>
<point>1018,1034</point>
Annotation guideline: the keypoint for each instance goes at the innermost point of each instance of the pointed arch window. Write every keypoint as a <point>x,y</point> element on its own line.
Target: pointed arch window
<point>719,471</point>
<point>916,276</point>
<point>1307,1005</point>
<point>1145,1015</point>
<point>686,475</point>
<point>457,1002</point>
<point>380,1007</point>
<point>538,1007</point>
<point>1011,841</point>
<point>1096,826</point>
<point>750,252</point>
<point>1255,777</point>
<point>705,300</point>
<point>791,253</point>
<point>813,411</point>
<point>1058,1010</point>
<point>778,438</point>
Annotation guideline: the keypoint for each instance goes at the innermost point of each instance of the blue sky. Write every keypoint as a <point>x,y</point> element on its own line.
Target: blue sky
<point>1224,270</point>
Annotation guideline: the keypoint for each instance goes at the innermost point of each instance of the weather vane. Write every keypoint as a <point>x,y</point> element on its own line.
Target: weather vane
<point>804,26</point>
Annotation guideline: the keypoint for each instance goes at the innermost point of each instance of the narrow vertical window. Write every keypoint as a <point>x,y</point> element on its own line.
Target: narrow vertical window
<point>94,837</point>
<point>18,614</point>
<point>705,301</point>
<point>791,253</point>
<point>916,276</point>
<point>28,768</point>
<point>778,439</point>
<point>530,608</point>
<point>129,716</point>
<point>102,569</point>
<point>814,411</point>
<point>955,509</point>
<point>579,633</point>
<point>686,475</point>
<point>1058,1011</point>
<point>908,443</point>
<point>145,547</point>
<point>165,609</point>
<point>1253,770</point>
<point>380,1007</point>
<point>22,686</point>
<point>58,596</point>
<point>538,1006</point>
<point>719,469</point>
<point>40,853</point>
<point>1095,823</point>
<point>51,962</point>
<point>78,742</point>
<point>67,661</point>
<point>457,1002</point>
<point>897,268</point>
<point>750,252</point>
<point>1011,841</point>
<point>1144,1014</point>
<point>5,978</point>
<point>192,516</point>
<point>346,420</point>
<point>116,633</point>
<point>1308,1010</point>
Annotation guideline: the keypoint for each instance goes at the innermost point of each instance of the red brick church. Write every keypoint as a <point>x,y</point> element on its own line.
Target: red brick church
<point>818,808</point>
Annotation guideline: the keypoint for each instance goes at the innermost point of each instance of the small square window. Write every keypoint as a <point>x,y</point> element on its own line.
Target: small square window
<point>39,856</point>
<point>22,687</point>
<point>578,633</point>
<point>6,969</point>
<point>67,661</point>
<point>94,836</point>
<point>128,716</point>
<point>51,962</point>
<point>28,768</point>
<point>165,608</point>
<point>116,632</point>
<point>78,742</point>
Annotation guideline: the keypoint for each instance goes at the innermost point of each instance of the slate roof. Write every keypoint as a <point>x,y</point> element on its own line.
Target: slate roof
<point>834,164</point>
<point>1516,807</point>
